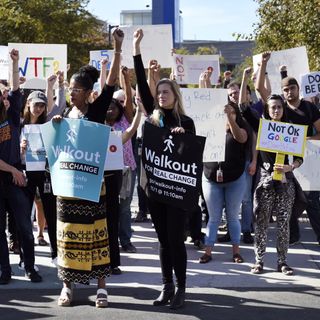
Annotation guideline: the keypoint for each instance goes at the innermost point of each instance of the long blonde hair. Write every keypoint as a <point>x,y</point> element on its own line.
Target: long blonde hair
<point>178,108</point>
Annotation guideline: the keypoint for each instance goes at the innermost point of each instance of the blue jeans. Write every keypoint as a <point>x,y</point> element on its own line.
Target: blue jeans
<point>247,203</point>
<point>18,201</point>
<point>218,195</point>
<point>125,232</point>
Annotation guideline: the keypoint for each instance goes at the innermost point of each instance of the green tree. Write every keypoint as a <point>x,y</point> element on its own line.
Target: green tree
<point>286,24</point>
<point>53,21</point>
<point>206,50</point>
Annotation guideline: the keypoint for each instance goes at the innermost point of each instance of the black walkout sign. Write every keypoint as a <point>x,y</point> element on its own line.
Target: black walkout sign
<point>173,165</point>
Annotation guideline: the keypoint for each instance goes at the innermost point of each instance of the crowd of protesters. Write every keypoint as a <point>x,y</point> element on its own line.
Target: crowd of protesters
<point>242,184</point>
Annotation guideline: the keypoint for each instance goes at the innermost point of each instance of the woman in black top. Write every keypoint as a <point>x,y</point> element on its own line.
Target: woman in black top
<point>272,196</point>
<point>166,110</point>
<point>81,221</point>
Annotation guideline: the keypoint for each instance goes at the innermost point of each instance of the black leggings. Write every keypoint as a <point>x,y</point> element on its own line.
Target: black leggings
<point>169,223</point>
<point>38,179</point>
<point>113,181</point>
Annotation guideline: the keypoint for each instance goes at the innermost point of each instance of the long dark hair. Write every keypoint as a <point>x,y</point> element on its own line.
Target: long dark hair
<point>266,115</point>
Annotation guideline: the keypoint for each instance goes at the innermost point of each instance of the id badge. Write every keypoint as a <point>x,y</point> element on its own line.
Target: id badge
<point>219,175</point>
<point>47,187</point>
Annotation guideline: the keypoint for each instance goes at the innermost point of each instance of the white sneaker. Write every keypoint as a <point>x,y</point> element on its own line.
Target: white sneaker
<point>54,262</point>
<point>21,266</point>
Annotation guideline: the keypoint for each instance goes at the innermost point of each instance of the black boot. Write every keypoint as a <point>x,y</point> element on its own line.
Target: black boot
<point>178,299</point>
<point>166,295</point>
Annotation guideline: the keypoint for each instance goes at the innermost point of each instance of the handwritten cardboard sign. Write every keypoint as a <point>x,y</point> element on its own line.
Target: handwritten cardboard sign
<point>206,108</point>
<point>187,68</point>
<point>295,59</point>
<point>156,44</point>
<point>39,61</point>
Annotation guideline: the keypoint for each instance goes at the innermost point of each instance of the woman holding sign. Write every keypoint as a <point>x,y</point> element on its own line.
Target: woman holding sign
<point>166,110</point>
<point>272,196</point>
<point>83,246</point>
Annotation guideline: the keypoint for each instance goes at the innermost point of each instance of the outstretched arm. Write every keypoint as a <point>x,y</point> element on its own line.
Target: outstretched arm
<point>14,55</point>
<point>118,36</point>
<point>145,93</point>
<point>128,105</point>
<point>243,89</point>
<point>261,76</point>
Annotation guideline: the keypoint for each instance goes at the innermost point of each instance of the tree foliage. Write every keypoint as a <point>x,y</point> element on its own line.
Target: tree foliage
<point>53,21</point>
<point>286,24</point>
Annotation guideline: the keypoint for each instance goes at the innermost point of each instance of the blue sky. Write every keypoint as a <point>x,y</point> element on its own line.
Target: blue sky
<point>202,19</point>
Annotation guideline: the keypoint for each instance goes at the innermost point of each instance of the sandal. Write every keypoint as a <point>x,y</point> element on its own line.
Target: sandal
<point>42,241</point>
<point>102,298</point>
<point>237,258</point>
<point>257,268</point>
<point>65,297</point>
<point>285,269</point>
<point>205,258</point>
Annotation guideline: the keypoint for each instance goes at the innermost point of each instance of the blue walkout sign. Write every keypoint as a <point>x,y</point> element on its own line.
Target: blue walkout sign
<point>76,151</point>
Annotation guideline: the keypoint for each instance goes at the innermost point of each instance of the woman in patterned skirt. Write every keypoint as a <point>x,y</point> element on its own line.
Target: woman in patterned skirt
<point>83,246</point>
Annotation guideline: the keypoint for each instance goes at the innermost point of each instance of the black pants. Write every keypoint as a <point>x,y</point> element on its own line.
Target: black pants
<point>38,179</point>
<point>113,181</point>
<point>18,202</point>
<point>195,223</point>
<point>313,212</point>
<point>169,223</point>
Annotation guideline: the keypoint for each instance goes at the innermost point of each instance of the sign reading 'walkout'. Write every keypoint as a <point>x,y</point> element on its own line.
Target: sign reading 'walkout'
<point>76,158</point>
<point>173,165</point>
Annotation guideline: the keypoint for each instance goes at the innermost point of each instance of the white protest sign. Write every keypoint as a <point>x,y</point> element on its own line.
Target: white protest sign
<point>97,55</point>
<point>35,153</point>
<point>310,84</point>
<point>187,68</point>
<point>295,59</point>
<point>114,157</point>
<point>156,44</point>
<point>206,108</point>
<point>282,137</point>
<point>4,63</point>
<point>308,174</point>
<point>37,62</point>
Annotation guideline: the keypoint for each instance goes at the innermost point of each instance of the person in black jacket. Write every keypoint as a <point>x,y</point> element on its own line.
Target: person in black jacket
<point>166,110</point>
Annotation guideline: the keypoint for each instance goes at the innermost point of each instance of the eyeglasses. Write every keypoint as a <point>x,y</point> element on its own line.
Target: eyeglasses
<point>75,90</point>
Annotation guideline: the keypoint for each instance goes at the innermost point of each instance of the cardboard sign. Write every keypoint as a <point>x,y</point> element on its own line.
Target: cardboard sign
<point>156,44</point>
<point>295,59</point>
<point>310,84</point>
<point>308,174</point>
<point>281,137</point>
<point>114,157</point>
<point>35,153</point>
<point>37,62</point>
<point>173,165</point>
<point>76,159</point>
<point>97,55</point>
<point>206,108</point>
<point>187,68</point>
<point>4,63</point>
